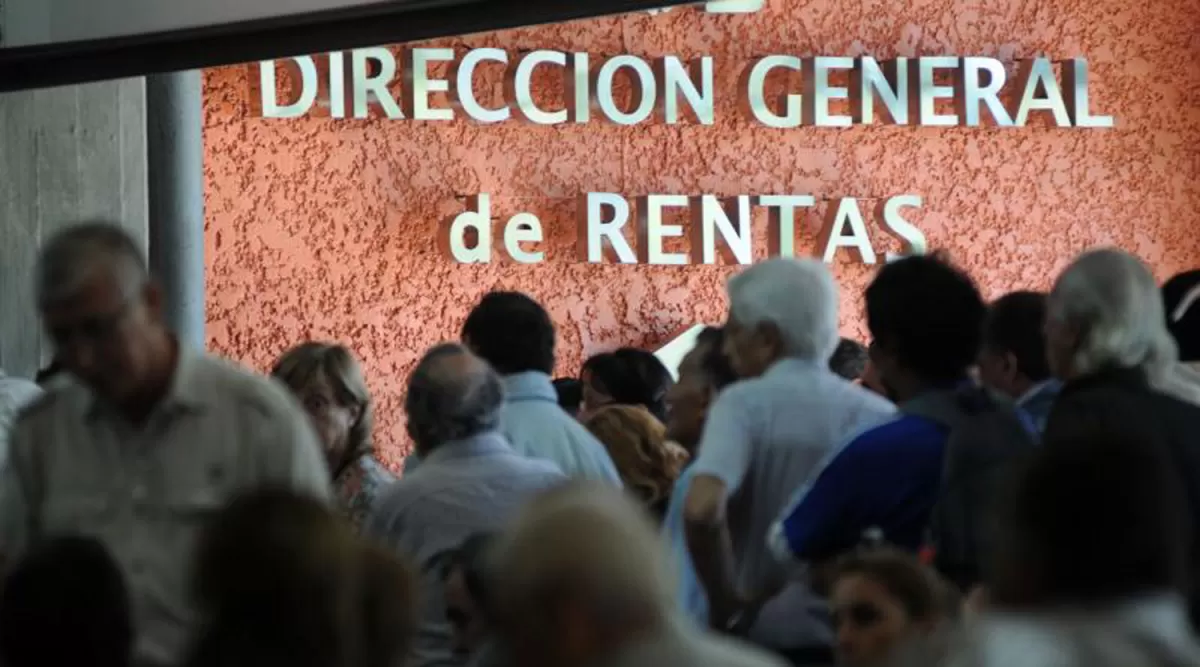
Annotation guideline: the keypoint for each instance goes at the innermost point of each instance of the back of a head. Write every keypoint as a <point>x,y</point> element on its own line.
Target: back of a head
<point>452,395</point>
<point>512,332</point>
<point>1015,324</point>
<point>285,564</point>
<point>1110,297</point>
<point>585,542</point>
<point>66,603</point>
<point>389,613</point>
<point>637,442</point>
<point>849,360</point>
<point>72,255</point>
<point>927,313</point>
<point>1095,519</point>
<point>714,362</point>
<point>1181,298</point>
<point>630,376</point>
<point>798,296</point>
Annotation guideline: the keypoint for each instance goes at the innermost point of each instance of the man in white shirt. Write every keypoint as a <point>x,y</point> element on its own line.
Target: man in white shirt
<point>151,440</point>
<point>15,395</point>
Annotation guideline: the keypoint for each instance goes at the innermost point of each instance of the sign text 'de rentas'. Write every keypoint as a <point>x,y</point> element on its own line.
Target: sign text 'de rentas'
<point>820,91</point>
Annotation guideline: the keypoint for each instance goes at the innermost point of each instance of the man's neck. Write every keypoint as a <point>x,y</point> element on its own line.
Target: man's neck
<point>165,350</point>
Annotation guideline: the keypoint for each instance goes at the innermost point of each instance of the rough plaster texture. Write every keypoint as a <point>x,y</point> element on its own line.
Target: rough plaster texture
<point>327,229</point>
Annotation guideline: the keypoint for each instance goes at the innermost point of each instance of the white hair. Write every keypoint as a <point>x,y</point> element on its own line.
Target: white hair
<point>798,296</point>
<point>590,540</point>
<point>1112,300</point>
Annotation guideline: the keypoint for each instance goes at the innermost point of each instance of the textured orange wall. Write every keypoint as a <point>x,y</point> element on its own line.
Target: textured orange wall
<point>327,229</point>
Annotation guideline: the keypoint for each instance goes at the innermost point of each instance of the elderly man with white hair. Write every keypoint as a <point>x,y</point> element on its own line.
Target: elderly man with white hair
<point>764,438</point>
<point>580,580</point>
<point>1106,338</point>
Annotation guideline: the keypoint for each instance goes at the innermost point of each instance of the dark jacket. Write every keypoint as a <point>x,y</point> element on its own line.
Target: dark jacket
<point>1122,401</point>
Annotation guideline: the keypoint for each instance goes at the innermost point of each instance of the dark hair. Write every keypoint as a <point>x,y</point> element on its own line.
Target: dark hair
<point>849,359</point>
<point>389,607</point>
<point>928,314</point>
<point>1014,324</point>
<point>570,394</point>
<point>512,332</point>
<point>631,377</point>
<point>918,589</point>
<point>66,603</point>
<point>715,362</point>
<point>1095,517</point>
<point>71,247</point>
<point>1183,320</point>
<point>471,558</point>
<point>286,565</point>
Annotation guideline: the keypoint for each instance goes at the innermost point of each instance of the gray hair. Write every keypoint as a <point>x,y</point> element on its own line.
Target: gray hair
<point>72,256</point>
<point>1111,299</point>
<point>798,296</point>
<point>590,541</point>
<point>452,395</point>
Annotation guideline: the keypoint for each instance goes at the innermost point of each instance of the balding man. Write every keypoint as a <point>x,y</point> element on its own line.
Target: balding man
<point>470,481</point>
<point>580,580</point>
<point>147,440</point>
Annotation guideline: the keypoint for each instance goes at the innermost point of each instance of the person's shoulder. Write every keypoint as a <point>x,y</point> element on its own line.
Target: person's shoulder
<point>232,383</point>
<point>897,428</point>
<point>52,406</point>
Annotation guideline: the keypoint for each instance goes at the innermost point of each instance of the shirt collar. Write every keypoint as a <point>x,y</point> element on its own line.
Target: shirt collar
<point>184,392</point>
<point>490,443</point>
<point>789,365</point>
<point>529,386</point>
<point>1037,390</point>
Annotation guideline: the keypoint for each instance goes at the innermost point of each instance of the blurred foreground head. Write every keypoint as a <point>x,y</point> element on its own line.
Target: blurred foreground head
<point>66,603</point>
<point>578,575</point>
<point>279,579</point>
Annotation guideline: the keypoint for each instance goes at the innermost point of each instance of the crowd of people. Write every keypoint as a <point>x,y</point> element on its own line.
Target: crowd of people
<point>1015,482</point>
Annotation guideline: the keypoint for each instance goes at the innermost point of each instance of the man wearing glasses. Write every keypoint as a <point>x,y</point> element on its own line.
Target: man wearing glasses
<point>147,440</point>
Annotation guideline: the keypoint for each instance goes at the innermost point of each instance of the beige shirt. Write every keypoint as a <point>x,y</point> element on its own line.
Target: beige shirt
<point>77,467</point>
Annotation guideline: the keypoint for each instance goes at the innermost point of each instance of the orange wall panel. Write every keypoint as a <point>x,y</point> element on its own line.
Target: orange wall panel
<point>328,229</point>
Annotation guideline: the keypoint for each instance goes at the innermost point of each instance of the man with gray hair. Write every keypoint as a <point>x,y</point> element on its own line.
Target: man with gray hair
<point>1107,339</point>
<point>470,481</point>
<point>763,440</point>
<point>147,438</point>
<point>580,579</point>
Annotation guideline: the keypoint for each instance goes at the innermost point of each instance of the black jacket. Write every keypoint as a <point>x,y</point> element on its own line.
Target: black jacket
<point>1121,401</point>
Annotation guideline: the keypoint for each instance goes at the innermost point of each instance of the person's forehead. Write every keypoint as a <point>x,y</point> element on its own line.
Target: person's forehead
<point>97,288</point>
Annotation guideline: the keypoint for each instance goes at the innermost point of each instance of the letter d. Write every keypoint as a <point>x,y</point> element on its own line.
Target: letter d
<point>478,218</point>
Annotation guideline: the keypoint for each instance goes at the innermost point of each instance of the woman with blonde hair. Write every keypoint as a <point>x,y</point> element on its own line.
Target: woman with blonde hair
<point>329,383</point>
<point>637,441</point>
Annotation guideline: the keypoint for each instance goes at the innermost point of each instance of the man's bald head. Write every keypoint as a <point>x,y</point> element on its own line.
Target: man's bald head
<point>90,251</point>
<point>589,544</point>
<point>452,395</point>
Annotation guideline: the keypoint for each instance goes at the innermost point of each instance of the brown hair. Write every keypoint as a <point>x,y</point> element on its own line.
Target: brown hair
<point>284,564</point>
<point>307,361</point>
<point>637,442</point>
<point>389,607</point>
<point>923,594</point>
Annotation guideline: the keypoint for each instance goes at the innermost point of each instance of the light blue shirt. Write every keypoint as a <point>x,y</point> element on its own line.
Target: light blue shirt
<point>536,426</point>
<point>461,489</point>
<point>765,438</point>
<point>689,592</point>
